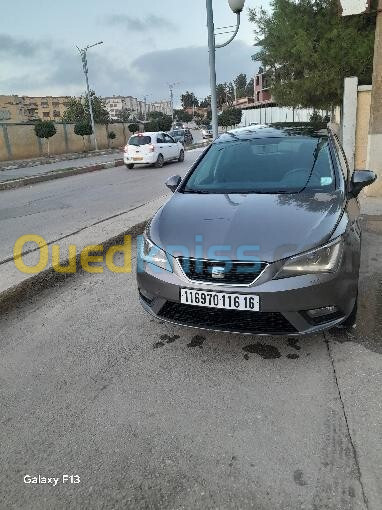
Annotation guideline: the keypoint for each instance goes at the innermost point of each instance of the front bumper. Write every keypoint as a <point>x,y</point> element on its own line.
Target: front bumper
<point>283,302</point>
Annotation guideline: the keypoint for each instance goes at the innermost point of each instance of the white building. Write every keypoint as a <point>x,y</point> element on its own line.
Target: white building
<point>115,104</point>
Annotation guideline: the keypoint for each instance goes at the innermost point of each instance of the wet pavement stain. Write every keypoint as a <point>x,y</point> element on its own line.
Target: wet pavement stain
<point>293,342</point>
<point>169,339</point>
<point>293,356</point>
<point>263,350</point>
<point>196,341</point>
<point>298,477</point>
<point>157,345</point>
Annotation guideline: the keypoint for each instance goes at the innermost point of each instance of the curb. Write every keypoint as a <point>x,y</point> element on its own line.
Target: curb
<point>58,174</point>
<point>16,287</point>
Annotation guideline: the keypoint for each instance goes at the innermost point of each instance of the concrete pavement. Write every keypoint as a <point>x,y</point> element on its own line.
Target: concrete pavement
<point>56,209</point>
<point>150,415</point>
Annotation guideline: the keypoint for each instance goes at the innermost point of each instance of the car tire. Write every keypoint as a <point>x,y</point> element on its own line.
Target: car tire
<point>181,156</point>
<point>130,166</point>
<point>159,162</point>
<point>350,322</point>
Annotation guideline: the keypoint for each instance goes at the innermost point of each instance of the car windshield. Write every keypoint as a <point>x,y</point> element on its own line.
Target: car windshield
<point>267,165</point>
<point>139,140</point>
<point>176,133</point>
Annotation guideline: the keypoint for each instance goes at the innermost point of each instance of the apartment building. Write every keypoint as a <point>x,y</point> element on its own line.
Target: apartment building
<point>115,104</point>
<point>15,108</point>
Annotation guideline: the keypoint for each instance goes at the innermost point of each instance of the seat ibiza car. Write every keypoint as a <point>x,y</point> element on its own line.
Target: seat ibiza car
<point>152,149</point>
<point>262,236</point>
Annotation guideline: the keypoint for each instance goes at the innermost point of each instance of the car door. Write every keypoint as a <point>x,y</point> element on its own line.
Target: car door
<point>162,146</point>
<point>173,150</point>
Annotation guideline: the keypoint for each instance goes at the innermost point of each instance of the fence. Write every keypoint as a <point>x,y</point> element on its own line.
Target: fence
<point>18,141</point>
<point>270,114</point>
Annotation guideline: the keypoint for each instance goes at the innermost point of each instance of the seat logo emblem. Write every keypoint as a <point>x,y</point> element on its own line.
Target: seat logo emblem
<point>218,272</point>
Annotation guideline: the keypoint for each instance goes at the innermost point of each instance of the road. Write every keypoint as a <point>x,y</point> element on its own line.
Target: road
<point>57,208</point>
<point>150,415</point>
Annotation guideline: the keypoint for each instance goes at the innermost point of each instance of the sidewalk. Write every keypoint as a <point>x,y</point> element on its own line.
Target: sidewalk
<point>12,170</point>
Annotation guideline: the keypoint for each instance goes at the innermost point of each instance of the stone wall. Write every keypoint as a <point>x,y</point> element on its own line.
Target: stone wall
<point>18,141</point>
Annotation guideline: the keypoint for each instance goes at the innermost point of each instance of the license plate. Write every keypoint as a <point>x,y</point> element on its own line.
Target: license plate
<point>136,158</point>
<point>223,300</point>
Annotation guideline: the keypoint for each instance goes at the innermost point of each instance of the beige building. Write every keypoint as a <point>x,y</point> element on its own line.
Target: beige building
<point>25,108</point>
<point>115,104</point>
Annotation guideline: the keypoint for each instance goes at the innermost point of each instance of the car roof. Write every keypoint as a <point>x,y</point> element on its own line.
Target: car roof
<point>148,133</point>
<point>265,131</point>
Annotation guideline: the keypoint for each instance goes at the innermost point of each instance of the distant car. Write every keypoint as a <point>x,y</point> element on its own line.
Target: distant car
<point>152,149</point>
<point>183,136</point>
<point>178,125</point>
<point>207,132</point>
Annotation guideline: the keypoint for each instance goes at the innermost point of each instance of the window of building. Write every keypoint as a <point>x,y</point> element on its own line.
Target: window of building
<point>46,114</point>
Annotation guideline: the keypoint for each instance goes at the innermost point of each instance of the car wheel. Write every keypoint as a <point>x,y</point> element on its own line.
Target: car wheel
<point>130,166</point>
<point>350,322</point>
<point>159,162</point>
<point>181,156</point>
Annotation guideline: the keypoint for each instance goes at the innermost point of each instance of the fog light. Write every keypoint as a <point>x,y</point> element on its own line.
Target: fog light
<point>320,312</point>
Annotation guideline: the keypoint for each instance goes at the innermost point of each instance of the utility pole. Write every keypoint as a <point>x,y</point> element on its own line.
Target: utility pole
<point>236,6</point>
<point>171,87</point>
<point>83,54</point>
<point>374,159</point>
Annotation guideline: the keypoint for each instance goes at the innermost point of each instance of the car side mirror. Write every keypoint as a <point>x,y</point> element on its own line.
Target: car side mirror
<point>173,182</point>
<point>360,179</point>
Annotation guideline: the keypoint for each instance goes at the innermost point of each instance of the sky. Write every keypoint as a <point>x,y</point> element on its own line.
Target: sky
<point>146,45</point>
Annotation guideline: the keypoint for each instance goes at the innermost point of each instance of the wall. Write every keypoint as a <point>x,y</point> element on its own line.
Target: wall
<point>18,141</point>
<point>362,127</point>
<point>271,114</point>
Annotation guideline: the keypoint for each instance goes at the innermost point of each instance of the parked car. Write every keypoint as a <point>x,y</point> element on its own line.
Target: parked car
<point>207,132</point>
<point>184,136</point>
<point>152,149</point>
<point>262,236</point>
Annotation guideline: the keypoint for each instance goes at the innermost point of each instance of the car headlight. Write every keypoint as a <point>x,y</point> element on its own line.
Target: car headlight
<point>321,260</point>
<point>151,253</point>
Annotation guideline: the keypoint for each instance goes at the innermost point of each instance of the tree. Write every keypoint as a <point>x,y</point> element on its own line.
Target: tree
<point>83,128</point>
<point>158,121</point>
<point>220,94</point>
<point>308,50</point>
<point>241,85</point>
<point>206,103</point>
<point>124,115</point>
<point>133,128</point>
<point>229,117</point>
<point>78,110</point>
<point>111,136</point>
<point>189,100</point>
<point>250,88</point>
<point>45,129</point>
<point>182,116</point>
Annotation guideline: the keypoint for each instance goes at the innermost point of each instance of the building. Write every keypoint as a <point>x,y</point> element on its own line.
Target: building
<point>26,108</point>
<point>262,93</point>
<point>116,104</point>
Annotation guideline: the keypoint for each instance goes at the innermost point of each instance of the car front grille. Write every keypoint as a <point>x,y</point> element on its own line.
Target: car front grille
<point>236,273</point>
<point>239,321</point>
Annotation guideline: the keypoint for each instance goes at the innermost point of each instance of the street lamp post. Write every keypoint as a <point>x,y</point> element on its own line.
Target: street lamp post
<point>83,53</point>
<point>236,6</point>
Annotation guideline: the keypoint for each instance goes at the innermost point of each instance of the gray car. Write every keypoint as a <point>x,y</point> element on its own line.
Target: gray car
<point>262,236</point>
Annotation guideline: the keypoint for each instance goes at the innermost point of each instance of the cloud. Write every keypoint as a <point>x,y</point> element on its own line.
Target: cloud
<point>148,24</point>
<point>11,46</point>
<point>189,66</point>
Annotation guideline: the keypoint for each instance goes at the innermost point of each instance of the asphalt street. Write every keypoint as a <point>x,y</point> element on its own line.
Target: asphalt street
<point>55,209</point>
<point>150,415</point>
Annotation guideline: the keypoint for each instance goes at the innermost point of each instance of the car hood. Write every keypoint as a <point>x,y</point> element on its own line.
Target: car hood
<point>279,226</point>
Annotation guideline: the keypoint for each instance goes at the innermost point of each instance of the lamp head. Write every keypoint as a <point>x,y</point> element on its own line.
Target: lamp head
<point>236,5</point>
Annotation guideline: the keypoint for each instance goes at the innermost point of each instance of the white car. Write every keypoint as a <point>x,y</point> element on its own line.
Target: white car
<point>152,149</point>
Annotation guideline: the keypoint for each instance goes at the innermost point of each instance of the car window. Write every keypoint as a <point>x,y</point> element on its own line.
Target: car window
<point>160,138</point>
<point>270,165</point>
<point>140,140</point>
<point>168,139</point>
